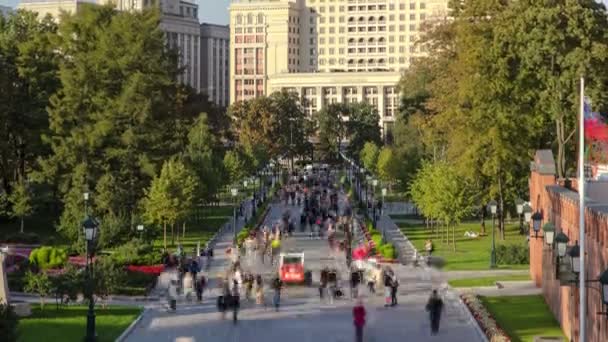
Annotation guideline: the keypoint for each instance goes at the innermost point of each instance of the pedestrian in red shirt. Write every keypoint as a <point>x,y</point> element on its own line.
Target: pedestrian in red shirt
<point>359,320</point>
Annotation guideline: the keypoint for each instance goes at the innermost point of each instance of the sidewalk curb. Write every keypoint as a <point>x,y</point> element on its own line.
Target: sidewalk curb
<point>478,329</point>
<point>131,327</point>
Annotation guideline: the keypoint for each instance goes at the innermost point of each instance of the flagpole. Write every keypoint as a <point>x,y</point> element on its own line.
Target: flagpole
<point>581,224</point>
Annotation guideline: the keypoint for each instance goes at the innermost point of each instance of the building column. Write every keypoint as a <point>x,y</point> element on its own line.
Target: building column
<point>300,91</point>
<point>360,94</point>
<point>340,93</point>
<point>381,102</point>
<point>319,91</point>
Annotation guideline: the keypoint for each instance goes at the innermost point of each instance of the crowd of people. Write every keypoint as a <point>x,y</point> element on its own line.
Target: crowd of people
<point>316,198</point>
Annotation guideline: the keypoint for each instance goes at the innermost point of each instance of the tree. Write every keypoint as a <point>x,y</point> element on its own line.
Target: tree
<point>363,126</point>
<point>387,166</point>
<point>292,126</point>
<point>203,155</point>
<point>171,196</point>
<point>38,283</point>
<point>29,65</point>
<point>21,202</point>
<point>234,164</point>
<point>369,156</point>
<point>118,115</point>
<point>331,129</point>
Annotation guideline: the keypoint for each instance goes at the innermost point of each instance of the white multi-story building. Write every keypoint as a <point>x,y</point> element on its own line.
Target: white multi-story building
<point>327,50</point>
<point>179,21</point>
<point>215,63</point>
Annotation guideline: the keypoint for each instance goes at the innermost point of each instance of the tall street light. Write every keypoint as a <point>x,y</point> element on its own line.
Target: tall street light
<point>493,207</point>
<point>234,191</point>
<point>519,205</point>
<point>374,184</point>
<point>91,228</point>
<point>382,212</point>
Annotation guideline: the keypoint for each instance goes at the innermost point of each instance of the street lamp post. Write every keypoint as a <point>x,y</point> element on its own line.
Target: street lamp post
<point>493,207</point>
<point>90,227</point>
<point>382,212</point>
<point>140,229</point>
<point>374,184</point>
<point>519,205</point>
<point>234,192</point>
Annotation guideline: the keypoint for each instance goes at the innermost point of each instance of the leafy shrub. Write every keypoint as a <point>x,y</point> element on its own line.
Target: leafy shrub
<point>135,252</point>
<point>377,238</point>
<point>15,282</point>
<point>8,323</point>
<point>69,283</point>
<point>513,254</point>
<point>38,283</point>
<point>388,251</point>
<point>48,257</point>
<point>25,238</point>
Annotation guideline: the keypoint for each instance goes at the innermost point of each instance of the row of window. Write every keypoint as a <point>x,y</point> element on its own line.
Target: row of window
<point>370,7</point>
<point>380,40</point>
<point>249,19</point>
<point>352,62</point>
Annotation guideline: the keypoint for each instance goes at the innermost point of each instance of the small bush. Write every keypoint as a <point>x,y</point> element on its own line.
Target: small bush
<point>48,257</point>
<point>377,238</point>
<point>513,254</point>
<point>388,251</point>
<point>8,323</point>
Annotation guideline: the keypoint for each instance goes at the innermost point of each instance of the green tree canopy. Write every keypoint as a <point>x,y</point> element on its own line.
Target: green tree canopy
<point>369,156</point>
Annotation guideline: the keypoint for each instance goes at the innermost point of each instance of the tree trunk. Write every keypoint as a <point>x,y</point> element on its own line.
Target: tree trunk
<point>501,210</point>
<point>184,230</point>
<point>483,220</point>
<point>454,237</point>
<point>172,234</point>
<point>165,234</point>
<point>22,224</point>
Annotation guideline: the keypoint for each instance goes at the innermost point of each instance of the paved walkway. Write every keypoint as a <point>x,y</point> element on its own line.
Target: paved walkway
<point>303,317</point>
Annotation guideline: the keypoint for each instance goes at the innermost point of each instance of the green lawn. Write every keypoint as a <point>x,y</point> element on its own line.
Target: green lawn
<point>486,281</point>
<point>69,323</point>
<point>470,254</point>
<point>211,219</point>
<point>523,317</point>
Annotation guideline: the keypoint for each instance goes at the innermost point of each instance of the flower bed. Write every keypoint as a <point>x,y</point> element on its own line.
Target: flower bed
<point>378,247</point>
<point>486,322</point>
<point>152,269</point>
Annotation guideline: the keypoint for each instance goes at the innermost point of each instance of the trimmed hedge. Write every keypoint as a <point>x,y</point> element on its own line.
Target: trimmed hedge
<point>513,254</point>
<point>24,238</point>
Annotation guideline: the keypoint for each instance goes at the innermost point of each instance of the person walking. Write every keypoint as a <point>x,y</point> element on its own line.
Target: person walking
<point>259,291</point>
<point>277,284</point>
<point>428,247</point>
<point>434,307</point>
<point>235,302</point>
<point>394,287</point>
<point>386,277</point>
<point>359,320</point>
<point>355,280</point>
<point>323,282</point>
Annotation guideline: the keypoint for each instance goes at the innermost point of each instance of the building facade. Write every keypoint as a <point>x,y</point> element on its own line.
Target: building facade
<point>179,21</point>
<point>215,63</point>
<point>327,50</point>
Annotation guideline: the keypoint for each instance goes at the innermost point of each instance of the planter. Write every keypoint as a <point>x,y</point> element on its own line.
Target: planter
<point>484,319</point>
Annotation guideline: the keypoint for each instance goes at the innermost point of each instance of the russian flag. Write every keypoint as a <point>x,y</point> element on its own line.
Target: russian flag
<point>596,128</point>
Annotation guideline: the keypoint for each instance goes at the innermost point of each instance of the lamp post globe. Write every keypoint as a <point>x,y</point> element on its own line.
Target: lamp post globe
<point>493,206</point>
<point>549,233</point>
<point>519,205</point>
<point>561,242</point>
<point>537,219</point>
<point>527,213</point>
<point>575,255</point>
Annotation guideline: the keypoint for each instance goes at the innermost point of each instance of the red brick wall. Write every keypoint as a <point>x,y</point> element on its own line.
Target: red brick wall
<point>563,300</point>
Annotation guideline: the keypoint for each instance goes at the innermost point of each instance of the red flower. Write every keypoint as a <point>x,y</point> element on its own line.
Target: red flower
<point>152,269</point>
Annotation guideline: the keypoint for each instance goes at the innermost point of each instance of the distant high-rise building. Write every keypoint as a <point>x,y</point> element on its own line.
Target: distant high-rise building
<point>327,50</point>
<point>215,63</point>
<point>179,21</point>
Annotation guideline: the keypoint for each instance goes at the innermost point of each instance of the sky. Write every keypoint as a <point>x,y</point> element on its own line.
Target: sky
<point>210,11</point>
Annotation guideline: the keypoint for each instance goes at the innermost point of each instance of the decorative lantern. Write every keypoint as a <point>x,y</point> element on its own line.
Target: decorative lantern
<point>561,241</point>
